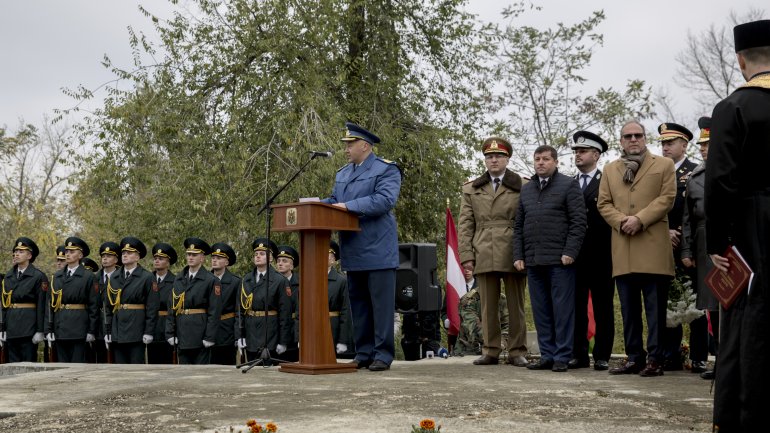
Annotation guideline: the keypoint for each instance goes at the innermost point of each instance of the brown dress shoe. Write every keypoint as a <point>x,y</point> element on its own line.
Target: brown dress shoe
<point>518,361</point>
<point>486,360</point>
<point>627,368</point>
<point>652,369</point>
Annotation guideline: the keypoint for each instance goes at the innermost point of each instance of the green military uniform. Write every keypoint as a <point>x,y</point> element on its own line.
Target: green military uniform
<point>73,315</point>
<point>195,310</point>
<point>22,310</point>
<point>471,339</point>
<point>159,351</point>
<point>131,308</point>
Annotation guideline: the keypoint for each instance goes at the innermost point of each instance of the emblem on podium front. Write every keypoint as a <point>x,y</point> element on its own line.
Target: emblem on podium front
<point>291,216</point>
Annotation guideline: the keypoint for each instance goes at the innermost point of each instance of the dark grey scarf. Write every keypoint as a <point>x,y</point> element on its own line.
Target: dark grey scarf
<point>632,162</point>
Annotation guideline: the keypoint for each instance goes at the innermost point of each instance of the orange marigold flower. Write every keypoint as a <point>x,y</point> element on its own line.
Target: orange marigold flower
<point>251,422</point>
<point>271,427</point>
<point>256,428</point>
<point>427,424</point>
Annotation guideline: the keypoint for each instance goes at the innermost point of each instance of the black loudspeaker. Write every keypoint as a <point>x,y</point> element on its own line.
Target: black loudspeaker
<point>416,285</point>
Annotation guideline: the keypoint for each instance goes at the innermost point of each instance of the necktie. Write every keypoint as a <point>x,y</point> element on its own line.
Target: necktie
<point>259,280</point>
<point>191,277</point>
<point>69,273</point>
<point>106,278</point>
<point>585,181</point>
<point>128,274</point>
<point>20,274</point>
<point>497,183</point>
<point>159,280</point>
<point>543,183</point>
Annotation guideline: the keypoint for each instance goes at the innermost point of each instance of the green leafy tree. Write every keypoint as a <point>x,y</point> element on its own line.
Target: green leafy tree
<point>543,100</point>
<point>198,139</point>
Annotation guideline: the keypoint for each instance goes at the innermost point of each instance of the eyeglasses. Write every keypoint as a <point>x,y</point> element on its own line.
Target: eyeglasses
<point>637,136</point>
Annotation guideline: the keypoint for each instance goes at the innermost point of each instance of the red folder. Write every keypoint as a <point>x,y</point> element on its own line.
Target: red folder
<point>726,286</point>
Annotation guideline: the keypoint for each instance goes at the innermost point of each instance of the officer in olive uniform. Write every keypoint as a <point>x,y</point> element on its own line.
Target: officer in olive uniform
<point>674,139</point>
<point>222,257</point>
<point>339,306</point>
<point>286,262</point>
<point>72,317</point>
<point>265,307</point>
<point>109,256</point>
<point>164,256</point>
<point>132,305</point>
<point>196,307</point>
<point>22,310</point>
<point>60,259</point>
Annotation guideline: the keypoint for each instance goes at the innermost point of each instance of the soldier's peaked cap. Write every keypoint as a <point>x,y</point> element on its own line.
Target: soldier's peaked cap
<point>165,250</point>
<point>130,243</point>
<point>28,244</point>
<point>221,249</point>
<point>75,243</point>
<point>355,132</point>
<point>197,246</point>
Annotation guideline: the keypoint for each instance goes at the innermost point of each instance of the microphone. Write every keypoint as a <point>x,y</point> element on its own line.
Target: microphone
<point>326,154</point>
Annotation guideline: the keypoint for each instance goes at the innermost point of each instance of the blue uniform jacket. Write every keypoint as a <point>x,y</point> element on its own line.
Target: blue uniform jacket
<point>370,191</point>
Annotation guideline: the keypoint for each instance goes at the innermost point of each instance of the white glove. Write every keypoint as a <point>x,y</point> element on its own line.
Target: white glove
<point>207,344</point>
<point>241,343</point>
<point>2,336</point>
<point>342,348</point>
<point>147,339</point>
<point>108,338</point>
<point>90,338</point>
<point>446,323</point>
<point>173,341</point>
<point>50,337</point>
<point>38,338</point>
<point>280,348</point>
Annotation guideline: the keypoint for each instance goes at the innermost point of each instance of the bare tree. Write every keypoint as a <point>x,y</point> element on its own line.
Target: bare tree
<point>707,65</point>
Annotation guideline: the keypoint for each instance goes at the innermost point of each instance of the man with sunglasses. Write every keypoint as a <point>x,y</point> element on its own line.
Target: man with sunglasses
<point>635,195</point>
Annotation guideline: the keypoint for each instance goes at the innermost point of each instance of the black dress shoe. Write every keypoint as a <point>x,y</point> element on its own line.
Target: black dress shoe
<point>379,366</point>
<point>698,366</point>
<point>651,370</point>
<point>559,367</point>
<point>361,364</point>
<point>578,363</point>
<point>627,368</point>
<point>708,375</point>
<point>541,365</point>
<point>486,360</point>
<point>672,365</point>
<point>601,365</point>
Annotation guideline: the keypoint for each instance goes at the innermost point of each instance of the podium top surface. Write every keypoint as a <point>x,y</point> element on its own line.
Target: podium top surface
<point>292,217</point>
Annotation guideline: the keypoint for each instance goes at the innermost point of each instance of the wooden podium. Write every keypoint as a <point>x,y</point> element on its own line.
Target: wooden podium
<point>314,221</point>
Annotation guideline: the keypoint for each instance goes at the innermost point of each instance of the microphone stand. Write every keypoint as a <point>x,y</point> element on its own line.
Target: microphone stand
<point>265,358</point>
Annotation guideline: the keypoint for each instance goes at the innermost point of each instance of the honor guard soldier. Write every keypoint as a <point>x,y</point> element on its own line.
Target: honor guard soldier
<point>339,305</point>
<point>108,255</point>
<point>72,311</point>
<point>22,311</point>
<point>60,259</point>
<point>196,307</point>
<point>132,305</point>
<point>223,256</point>
<point>265,310</point>
<point>285,263</point>
<point>164,256</point>
<point>89,264</point>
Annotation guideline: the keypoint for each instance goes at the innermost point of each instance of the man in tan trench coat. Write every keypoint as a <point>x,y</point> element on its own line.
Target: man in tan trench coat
<point>486,248</point>
<point>635,195</point>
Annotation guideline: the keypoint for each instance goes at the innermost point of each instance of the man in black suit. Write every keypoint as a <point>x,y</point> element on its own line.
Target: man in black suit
<point>594,263</point>
<point>674,139</point>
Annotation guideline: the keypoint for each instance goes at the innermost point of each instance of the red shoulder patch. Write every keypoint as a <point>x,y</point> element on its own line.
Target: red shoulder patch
<point>96,287</point>
<point>217,289</point>
<point>154,286</point>
<point>288,291</point>
<point>44,286</point>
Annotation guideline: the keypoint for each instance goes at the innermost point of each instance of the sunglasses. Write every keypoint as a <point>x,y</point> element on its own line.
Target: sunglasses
<point>638,136</point>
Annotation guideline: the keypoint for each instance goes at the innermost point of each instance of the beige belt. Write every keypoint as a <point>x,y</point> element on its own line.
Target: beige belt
<point>162,313</point>
<point>30,305</point>
<point>73,307</point>
<point>497,223</point>
<point>193,311</point>
<point>132,306</point>
<point>261,313</point>
<point>331,314</point>
<point>227,316</point>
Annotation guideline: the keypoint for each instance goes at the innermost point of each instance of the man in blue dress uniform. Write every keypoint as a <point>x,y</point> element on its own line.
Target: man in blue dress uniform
<point>369,186</point>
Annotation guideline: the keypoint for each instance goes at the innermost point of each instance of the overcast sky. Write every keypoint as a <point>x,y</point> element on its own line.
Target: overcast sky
<point>48,45</point>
